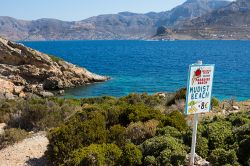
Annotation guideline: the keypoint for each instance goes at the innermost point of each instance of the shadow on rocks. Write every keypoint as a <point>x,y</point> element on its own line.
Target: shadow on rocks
<point>37,161</point>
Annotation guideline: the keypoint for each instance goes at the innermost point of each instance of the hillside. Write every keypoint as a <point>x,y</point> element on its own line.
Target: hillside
<point>24,70</point>
<point>137,129</point>
<point>230,22</point>
<point>124,25</point>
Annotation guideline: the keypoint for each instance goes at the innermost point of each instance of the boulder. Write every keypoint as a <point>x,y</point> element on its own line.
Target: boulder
<point>46,94</point>
<point>18,89</point>
<point>198,161</point>
<point>236,107</point>
<point>22,94</point>
<point>9,96</point>
<point>6,86</point>
<point>2,126</point>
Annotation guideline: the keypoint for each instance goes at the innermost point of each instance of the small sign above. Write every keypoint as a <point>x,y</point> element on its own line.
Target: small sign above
<point>199,89</point>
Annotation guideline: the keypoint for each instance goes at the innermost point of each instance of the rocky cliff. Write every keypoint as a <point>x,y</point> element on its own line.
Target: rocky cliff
<point>24,70</point>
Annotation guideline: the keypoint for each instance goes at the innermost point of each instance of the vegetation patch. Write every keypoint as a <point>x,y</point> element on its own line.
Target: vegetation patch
<point>131,130</point>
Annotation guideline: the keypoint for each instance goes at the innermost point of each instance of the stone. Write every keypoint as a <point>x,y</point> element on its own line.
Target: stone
<point>18,89</point>
<point>9,96</point>
<point>46,94</point>
<point>2,96</point>
<point>236,107</point>
<point>61,92</point>
<point>6,86</point>
<point>17,80</point>
<point>22,94</point>
<point>2,126</point>
<point>161,94</point>
<point>198,161</point>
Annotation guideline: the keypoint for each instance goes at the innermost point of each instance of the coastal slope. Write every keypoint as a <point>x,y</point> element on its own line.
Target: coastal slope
<point>24,70</point>
<point>228,23</point>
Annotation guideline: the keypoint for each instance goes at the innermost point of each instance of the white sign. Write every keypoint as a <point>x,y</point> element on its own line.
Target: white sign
<point>199,89</point>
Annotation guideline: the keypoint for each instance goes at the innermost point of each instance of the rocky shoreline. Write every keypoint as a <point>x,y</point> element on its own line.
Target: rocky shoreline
<point>25,71</point>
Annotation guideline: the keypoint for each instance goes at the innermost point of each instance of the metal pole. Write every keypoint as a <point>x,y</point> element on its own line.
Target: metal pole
<point>196,116</point>
<point>194,134</point>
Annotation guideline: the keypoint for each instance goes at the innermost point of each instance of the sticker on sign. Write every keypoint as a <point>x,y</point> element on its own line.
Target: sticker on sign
<point>199,88</point>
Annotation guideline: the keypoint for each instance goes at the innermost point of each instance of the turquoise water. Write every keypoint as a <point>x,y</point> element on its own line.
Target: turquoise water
<point>155,66</point>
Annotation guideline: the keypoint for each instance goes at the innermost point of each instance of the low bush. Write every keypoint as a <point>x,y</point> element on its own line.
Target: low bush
<point>139,131</point>
<point>55,58</point>
<point>218,134</point>
<point>11,136</point>
<point>214,102</point>
<point>220,157</point>
<point>117,135</point>
<point>175,119</point>
<point>131,156</point>
<point>96,155</point>
<point>169,131</point>
<point>166,150</point>
<point>202,147</point>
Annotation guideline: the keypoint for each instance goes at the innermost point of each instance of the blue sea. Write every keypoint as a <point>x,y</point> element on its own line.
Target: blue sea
<point>154,66</point>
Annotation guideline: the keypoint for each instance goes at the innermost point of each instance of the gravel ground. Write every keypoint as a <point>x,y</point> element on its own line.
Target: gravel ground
<point>28,152</point>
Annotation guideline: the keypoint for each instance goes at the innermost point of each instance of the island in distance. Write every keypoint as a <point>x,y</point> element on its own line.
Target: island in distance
<point>24,71</point>
<point>194,19</point>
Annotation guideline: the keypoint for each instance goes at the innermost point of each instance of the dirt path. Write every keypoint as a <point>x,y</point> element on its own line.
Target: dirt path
<point>28,152</point>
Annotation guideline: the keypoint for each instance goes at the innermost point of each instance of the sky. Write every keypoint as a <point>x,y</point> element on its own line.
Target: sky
<point>75,10</point>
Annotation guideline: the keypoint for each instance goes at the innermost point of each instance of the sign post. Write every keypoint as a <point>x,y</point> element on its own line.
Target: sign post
<point>198,97</point>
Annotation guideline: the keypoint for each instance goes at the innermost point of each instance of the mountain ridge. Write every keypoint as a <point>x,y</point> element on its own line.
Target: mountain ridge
<point>230,22</point>
<point>124,25</point>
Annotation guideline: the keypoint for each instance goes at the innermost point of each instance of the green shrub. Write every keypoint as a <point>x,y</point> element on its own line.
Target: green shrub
<point>220,157</point>
<point>99,100</point>
<point>156,145</point>
<point>218,133</point>
<point>139,132</point>
<point>169,131</point>
<point>175,119</point>
<point>214,102</point>
<point>12,136</point>
<point>81,130</point>
<point>117,135</point>
<point>138,112</point>
<point>131,155</point>
<point>244,151</point>
<point>150,161</point>
<point>242,132</point>
<point>202,147</point>
<point>172,157</point>
<point>37,113</point>
<point>55,58</point>
<point>96,155</point>
<point>144,98</point>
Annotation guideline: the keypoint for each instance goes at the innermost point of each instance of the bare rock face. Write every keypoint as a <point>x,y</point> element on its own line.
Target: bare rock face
<point>24,70</point>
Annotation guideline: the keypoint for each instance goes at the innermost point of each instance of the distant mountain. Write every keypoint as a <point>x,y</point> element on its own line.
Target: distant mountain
<point>113,26</point>
<point>124,25</point>
<point>189,10</point>
<point>229,22</point>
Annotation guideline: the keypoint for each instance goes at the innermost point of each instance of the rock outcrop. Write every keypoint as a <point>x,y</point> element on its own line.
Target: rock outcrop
<point>24,70</point>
